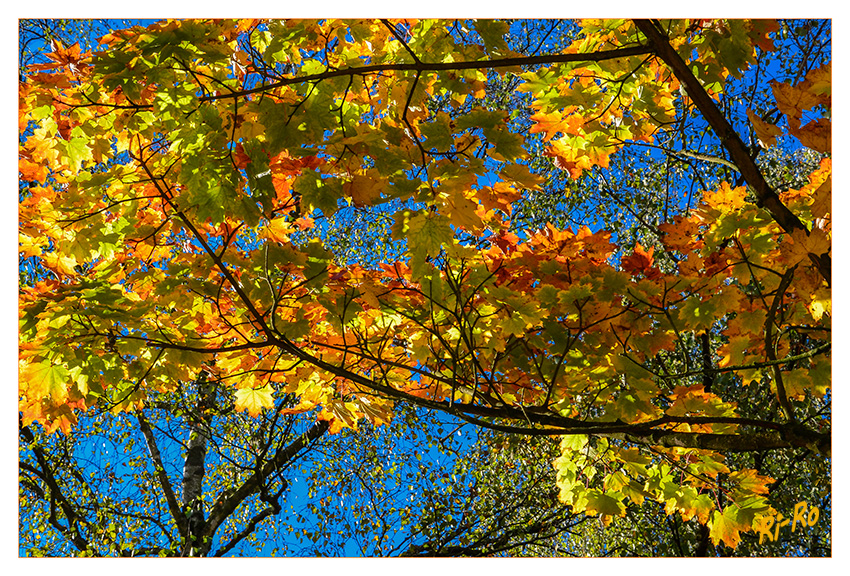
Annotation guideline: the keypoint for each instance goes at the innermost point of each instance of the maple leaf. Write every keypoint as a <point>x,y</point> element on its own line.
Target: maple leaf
<point>733,352</point>
<point>70,56</point>
<point>32,171</point>
<point>278,230</point>
<point>241,159</point>
<point>640,261</point>
<point>765,131</point>
<point>694,400</point>
<point>680,233</point>
<point>364,189</point>
<point>254,400</point>
<point>701,507</point>
<point>750,482</point>
<point>604,504</point>
<point>550,124</point>
<point>816,242</point>
<point>821,303</point>
<point>726,527</point>
<point>794,100</point>
<point>427,232</point>
<point>822,204</point>
<point>816,135</point>
<point>726,198</point>
<point>45,380</point>
<point>61,263</point>
<point>340,415</point>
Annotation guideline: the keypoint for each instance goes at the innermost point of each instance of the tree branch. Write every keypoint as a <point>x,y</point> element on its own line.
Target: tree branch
<point>770,345</point>
<point>419,66</point>
<point>767,197</point>
<point>72,530</point>
<point>165,484</point>
<point>226,505</point>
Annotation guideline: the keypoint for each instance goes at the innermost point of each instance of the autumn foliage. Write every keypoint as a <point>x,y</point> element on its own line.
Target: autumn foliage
<point>180,178</point>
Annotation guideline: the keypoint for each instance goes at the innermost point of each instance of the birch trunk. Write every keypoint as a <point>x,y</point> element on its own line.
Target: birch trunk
<point>193,469</point>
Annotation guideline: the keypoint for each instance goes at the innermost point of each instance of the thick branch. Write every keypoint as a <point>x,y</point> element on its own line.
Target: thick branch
<point>193,468</point>
<point>767,197</point>
<point>791,435</point>
<point>552,424</point>
<point>419,66</point>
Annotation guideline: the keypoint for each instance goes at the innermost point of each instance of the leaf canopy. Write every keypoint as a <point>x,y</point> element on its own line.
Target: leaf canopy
<point>183,187</point>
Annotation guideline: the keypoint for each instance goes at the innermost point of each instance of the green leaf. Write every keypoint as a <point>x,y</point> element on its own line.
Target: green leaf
<point>427,232</point>
<point>493,33</point>
<point>608,504</point>
<point>318,193</point>
<point>46,380</point>
<point>725,527</point>
<point>438,133</point>
<point>78,152</point>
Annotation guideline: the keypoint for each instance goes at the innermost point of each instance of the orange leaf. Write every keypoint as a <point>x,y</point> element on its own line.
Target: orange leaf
<point>765,131</point>
<point>816,135</point>
<point>726,198</point>
<point>639,261</point>
<point>30,171</point>
<point>364,189</point>
<point>550,124</point>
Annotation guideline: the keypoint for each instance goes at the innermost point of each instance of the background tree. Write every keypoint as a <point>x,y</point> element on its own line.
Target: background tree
<point>186,189</point>
<point>183,476</point>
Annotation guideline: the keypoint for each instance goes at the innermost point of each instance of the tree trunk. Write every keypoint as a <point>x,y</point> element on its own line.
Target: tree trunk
<point>193,469</point>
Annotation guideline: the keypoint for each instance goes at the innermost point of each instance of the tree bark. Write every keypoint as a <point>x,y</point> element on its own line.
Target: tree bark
<point>193,469</point>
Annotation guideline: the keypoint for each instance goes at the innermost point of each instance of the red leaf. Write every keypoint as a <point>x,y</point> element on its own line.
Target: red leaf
<point>640,261</point>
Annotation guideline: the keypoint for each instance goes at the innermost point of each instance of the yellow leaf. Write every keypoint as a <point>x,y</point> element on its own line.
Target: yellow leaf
<point>725,527</point>
<point>278,230</point>
<point>254,400</point>
<point>727,198</point>
<point>30,246</point>
<point>733,352</point>
<point>822,204</point>
<point>45,380</point>
<point>748,482</point>
<point>61,263</point>
<point>462,212</point>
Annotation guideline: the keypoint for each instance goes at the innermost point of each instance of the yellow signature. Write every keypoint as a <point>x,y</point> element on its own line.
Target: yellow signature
<point>764,524</point>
